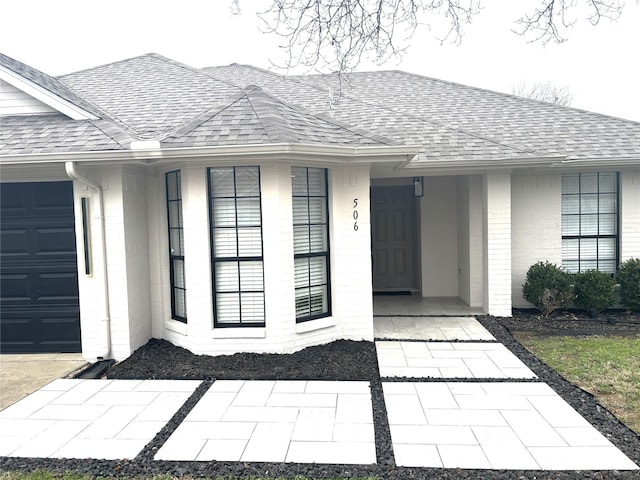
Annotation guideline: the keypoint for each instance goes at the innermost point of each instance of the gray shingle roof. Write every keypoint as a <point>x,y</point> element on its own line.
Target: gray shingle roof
<point>254,117</point>
<point>29,134</point>
<point>450,120</point>
<point>152,97</point>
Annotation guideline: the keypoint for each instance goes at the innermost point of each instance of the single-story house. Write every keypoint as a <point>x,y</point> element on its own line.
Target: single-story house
<point>232,209</point>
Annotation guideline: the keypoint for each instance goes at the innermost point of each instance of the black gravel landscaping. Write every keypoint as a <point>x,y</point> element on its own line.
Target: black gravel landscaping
<point>343,360</point>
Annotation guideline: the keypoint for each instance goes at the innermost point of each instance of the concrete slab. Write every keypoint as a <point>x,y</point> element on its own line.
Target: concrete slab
<point>267,421</point>
<point>496,426</point>
<point>429,328</point>
<point>448,360</point>
<point>90,418</point>
<point>21,374</point>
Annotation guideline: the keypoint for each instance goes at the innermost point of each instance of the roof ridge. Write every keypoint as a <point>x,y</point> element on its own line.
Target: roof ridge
<point>197,120</point>
<point>252,90</point>
<point>117,62</point>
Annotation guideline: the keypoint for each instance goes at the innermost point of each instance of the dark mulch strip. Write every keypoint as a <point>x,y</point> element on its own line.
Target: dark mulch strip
<point>340,360</point>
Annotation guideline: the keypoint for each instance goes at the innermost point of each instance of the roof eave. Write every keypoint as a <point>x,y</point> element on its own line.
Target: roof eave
<point>45,96</point>
<point>481,164</point>
<point>153,154</point>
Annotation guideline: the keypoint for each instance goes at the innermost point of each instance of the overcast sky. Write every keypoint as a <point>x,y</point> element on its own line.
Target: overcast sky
<point>599,65</point>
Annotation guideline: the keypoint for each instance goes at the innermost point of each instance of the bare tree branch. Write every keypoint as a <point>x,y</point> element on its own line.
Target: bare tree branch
<point>552,18</point>
<point>336,35</point>
<point>545,91</point>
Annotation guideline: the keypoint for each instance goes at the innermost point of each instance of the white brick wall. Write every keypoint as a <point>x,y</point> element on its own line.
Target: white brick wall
<point>536,218</point>
<point>630,214</point>
<point>439,237</point>
<point>137,256</point>
<point>470,277</point>
<point>497,243</point>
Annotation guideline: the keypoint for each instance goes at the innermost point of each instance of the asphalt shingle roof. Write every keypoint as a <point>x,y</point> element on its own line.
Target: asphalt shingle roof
<point>451,121</point>
<point>254,117</point>
<point>152,97</point>
<point>22,134</point>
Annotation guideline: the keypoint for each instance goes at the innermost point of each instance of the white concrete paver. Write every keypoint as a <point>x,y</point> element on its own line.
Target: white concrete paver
<point>493,425</point>
<point>109,419</point>
<point>500,425</point>
<point>430,328</point>
<point>273,421</point>
<point>448,360</point>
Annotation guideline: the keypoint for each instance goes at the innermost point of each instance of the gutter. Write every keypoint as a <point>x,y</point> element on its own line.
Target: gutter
<point>148,152</point>
<point>70,168</point>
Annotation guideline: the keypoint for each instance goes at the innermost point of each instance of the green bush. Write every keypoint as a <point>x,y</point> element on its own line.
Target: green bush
<point>629,279</point>
<point>594,290</point>
<point>548,287</point>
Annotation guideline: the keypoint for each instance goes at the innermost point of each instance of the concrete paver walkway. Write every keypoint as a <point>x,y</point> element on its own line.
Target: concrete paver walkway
<point>461,424</point>
<point>449,360</point>
<point>278,421</point>
<point>90,418</point>
<point>523,426</point>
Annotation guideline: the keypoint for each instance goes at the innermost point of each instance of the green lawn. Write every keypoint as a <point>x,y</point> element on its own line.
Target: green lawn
<point>608,367</point>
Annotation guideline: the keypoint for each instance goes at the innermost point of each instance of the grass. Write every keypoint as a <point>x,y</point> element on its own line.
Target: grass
<point>607,367</point>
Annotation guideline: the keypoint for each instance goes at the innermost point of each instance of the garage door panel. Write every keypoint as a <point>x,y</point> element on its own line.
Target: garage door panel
<point>38,268</point>
<point>59,287</point>
<point>15,288</point>
<point>56,241</point>
<point>40,330</point>
<point>15,244</point>
<point>37,199</point>
<point>46,287</point>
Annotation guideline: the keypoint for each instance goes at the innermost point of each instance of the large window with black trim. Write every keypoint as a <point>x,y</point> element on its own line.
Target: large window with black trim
<point>311,243</point>
<point>236,246</point>
<point>590,221</point>
<point>176,246</point>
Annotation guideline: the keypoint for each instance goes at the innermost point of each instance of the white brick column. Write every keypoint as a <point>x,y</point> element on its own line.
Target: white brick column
<point>496,230</point>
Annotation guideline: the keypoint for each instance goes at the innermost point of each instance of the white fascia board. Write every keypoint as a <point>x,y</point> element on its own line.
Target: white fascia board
<point>471,164</point>
<point>597,162</point>
<point>147,153</point>
<point>45,96</point>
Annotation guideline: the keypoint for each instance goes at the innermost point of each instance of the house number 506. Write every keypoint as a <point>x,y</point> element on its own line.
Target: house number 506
<point>355,214</point>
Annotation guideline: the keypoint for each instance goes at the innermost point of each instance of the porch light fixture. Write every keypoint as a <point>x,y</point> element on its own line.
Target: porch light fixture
<point>418,186</point>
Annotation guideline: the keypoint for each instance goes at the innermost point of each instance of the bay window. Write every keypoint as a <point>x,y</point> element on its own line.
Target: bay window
<point>236,246</point>
<point>311,243</point>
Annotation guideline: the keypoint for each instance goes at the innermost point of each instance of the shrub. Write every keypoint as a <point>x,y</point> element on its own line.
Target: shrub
<point>594,290</point>
<point>548,287</point>
<point>629,279</point>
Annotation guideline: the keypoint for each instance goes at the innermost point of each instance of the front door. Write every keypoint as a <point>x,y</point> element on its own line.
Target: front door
<point>393,238</point>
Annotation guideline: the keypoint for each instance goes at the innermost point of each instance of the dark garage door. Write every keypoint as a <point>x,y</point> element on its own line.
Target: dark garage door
<point>39,310</point>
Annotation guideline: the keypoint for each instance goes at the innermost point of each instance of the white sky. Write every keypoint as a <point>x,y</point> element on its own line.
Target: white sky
<point>599,65</point>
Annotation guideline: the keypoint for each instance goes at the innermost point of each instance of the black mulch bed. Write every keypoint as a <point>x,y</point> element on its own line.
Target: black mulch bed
<point>346,360</point>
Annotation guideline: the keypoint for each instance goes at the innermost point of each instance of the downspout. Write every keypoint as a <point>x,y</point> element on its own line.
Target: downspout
<point>70,168</point>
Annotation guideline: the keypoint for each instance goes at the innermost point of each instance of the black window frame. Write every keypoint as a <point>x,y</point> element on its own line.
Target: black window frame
<point>326,254</point>
<point>175,258</point>
<point>597,236</point>
<point>215,260</point>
